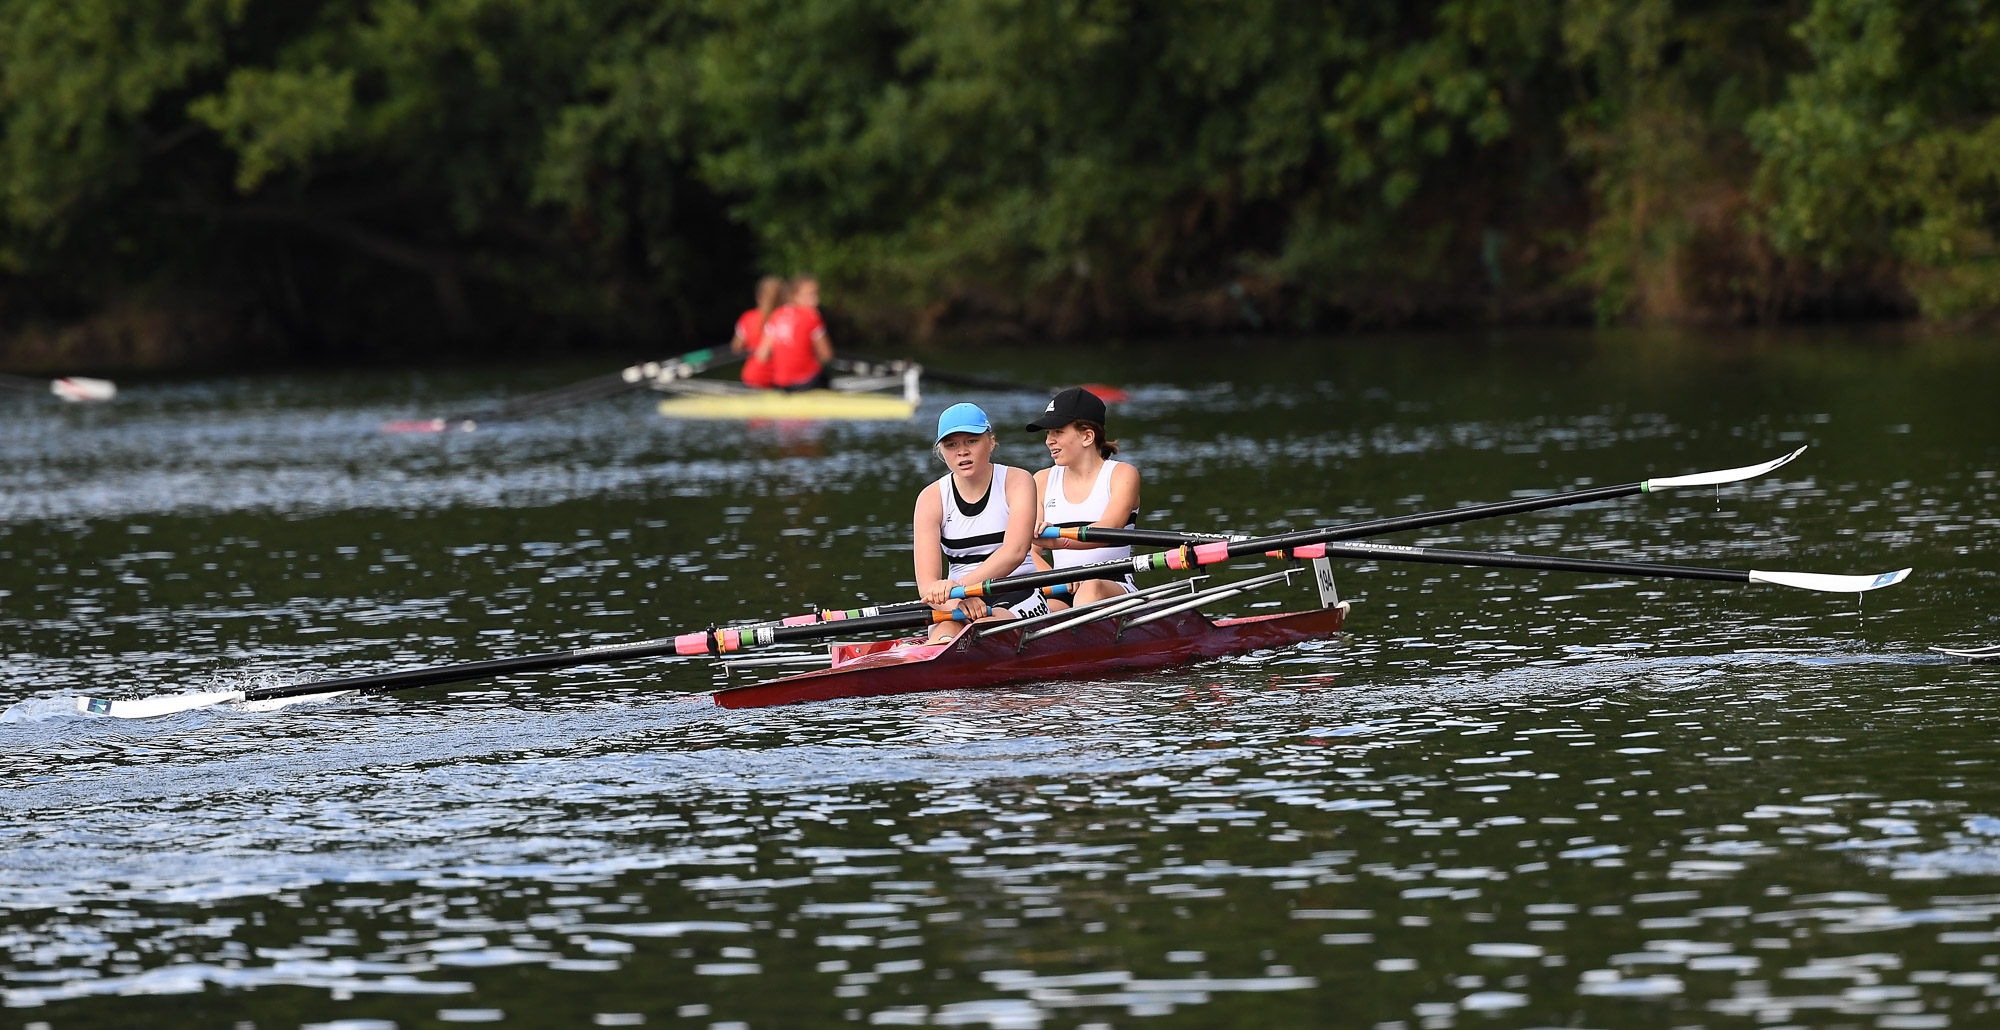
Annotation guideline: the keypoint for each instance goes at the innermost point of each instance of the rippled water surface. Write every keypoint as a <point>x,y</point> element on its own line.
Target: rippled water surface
<point>1502,799</point>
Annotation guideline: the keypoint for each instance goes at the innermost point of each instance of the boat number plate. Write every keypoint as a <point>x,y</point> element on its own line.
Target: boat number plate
<point>1323,575</point>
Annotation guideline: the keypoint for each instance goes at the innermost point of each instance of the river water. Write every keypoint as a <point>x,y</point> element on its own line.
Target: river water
<point>1503,799</point>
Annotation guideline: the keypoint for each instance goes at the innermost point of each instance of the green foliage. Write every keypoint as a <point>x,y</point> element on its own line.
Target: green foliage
<point>276,119</point>
<point>1887,148</point>
<point>524,171</point>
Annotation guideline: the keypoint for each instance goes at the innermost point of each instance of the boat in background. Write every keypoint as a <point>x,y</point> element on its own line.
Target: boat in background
<point>868,397</point>
<point>75,389</point>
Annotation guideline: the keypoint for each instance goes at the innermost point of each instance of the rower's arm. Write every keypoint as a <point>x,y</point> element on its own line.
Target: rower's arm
<point>926,525</point>
<point>822,346</point>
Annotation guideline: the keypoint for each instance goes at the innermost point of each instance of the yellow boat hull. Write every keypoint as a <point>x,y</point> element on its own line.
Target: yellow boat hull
<point>777,404</point>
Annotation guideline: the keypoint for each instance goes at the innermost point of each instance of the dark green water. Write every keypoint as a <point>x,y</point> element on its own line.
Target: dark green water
<point>1503,799</point>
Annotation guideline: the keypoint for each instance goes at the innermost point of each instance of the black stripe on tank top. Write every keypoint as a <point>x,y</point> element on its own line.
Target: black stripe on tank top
<point>982,540</point>
<point>971,508</point>
<point>975,559</point>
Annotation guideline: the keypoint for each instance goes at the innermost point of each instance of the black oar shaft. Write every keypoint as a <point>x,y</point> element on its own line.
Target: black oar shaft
<point>436,674</point>
<point>1373,527</point>
<point>601,387</point>
<point>1450,516</point>
<point>1503,560</point>
<point>711,642</point>
<point>1142,537</point>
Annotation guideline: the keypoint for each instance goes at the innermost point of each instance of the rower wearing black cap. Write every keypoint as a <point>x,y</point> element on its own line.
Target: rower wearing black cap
<point>1085,487</point>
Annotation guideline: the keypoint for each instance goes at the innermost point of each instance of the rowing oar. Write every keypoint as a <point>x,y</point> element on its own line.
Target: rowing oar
<point>1297,545</point>
<point>596,388</point>
<point>1315,543</point>
<point>69,388</point>
<point>710,641</point>
<point>1832,584</point>
<point>824,623</point>
<point>1421,520</point>
<point>885,367</point>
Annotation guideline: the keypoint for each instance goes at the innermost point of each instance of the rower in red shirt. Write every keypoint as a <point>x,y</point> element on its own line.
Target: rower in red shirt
<point>795,340</point>
<point>750,332</point>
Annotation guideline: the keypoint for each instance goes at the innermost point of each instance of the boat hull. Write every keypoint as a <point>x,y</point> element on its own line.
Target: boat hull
<point>1090,651</point>
<point>778,404</point>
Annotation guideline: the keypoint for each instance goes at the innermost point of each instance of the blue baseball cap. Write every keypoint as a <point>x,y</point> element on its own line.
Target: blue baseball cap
<point>963,418</point>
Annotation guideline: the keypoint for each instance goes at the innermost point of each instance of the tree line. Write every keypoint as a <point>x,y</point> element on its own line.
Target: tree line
<point>354,179</point>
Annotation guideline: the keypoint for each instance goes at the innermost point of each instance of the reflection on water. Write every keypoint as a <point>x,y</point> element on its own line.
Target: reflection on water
<point>1503,799</point>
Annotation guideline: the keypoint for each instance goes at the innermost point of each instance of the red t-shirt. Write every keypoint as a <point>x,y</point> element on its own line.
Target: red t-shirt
<point>750,329</point>
<point>791,331</point>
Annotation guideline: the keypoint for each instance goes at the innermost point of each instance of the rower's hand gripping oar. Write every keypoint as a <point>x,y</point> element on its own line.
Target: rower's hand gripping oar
<point>1447,516</point>
<point>712,641</point>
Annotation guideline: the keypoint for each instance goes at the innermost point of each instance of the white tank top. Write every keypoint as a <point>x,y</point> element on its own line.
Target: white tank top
<point>1057,510</point>
<point>973,530</point>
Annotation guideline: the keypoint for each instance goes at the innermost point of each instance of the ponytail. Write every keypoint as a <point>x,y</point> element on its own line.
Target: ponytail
<point>1106,448</point>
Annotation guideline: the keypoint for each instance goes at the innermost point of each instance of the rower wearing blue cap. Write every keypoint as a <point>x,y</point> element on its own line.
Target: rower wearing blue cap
<point>973,524</point>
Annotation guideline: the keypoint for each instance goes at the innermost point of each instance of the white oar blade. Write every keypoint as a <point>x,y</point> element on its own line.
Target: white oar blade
<point>1829,584</point>
<point>1719,478</point>
<point>1977,654</point>
<point>81,388</point>
<point>272,704</point>
<point>154,707</point>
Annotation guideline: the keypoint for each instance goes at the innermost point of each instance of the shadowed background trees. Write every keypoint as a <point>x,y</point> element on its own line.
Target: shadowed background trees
<point>186,181</point>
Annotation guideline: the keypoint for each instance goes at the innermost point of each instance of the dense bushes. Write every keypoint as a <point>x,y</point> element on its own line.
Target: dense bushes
<point>347,178</point>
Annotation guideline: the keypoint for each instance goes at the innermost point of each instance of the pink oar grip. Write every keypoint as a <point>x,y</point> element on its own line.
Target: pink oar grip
<point>691,643</point>
<point>1211,552</point>
<point>800,620</point>
<point>728,640</point>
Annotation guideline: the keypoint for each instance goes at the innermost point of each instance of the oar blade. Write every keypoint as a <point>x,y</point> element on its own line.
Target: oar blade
<point>1831,584</point>
<point>155,707</point>
<point>1107,393</point>
<point>421,425</point>
<point>1720,477</point>
<point>272,704</point>
<point>1977,654</point>
<point>83,388</point>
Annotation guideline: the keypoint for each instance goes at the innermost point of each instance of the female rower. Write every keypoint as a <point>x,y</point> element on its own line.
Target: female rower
<point>973,524</point>
<point>1084,488</point>
<point>795,340</point>
<point>750,332</point>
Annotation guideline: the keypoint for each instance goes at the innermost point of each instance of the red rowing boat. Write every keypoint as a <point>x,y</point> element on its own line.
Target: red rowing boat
<point>997,656</point>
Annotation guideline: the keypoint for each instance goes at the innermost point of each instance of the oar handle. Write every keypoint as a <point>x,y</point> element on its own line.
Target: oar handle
<point>722,641</point>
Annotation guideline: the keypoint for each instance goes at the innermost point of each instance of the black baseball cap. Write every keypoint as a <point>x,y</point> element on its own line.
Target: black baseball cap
<point>1075,404</point>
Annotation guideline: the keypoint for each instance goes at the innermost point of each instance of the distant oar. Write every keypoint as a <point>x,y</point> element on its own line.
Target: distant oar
<point>1421,520</point>
<point>69,388</point>
<point>879,366</point>
<point>583,391</point>
<point>716,641</point>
